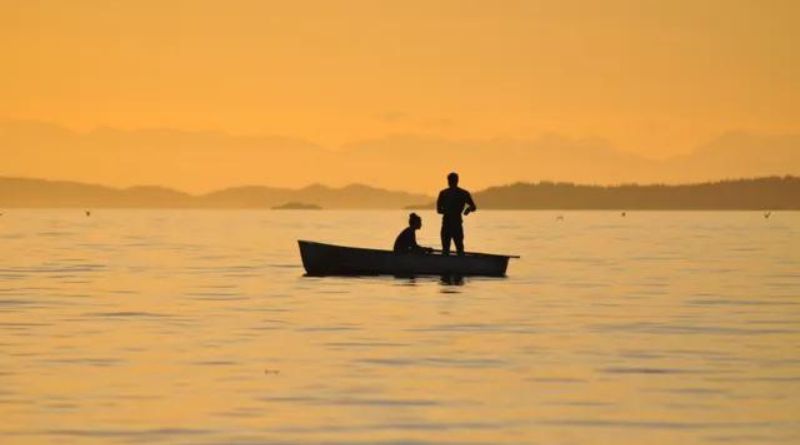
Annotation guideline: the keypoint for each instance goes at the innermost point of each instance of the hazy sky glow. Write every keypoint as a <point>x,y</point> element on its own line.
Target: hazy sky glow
<point>653,78</point>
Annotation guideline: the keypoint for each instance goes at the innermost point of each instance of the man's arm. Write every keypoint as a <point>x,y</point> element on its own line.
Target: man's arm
<point>471,207</point>
<point>440,204</point>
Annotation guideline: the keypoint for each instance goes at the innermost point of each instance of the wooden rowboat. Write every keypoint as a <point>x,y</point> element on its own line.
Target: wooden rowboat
<point>328,259</point>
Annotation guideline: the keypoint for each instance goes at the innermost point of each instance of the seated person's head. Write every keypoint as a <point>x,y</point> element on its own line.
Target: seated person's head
<point>452,179</point>
<point>414,221</point>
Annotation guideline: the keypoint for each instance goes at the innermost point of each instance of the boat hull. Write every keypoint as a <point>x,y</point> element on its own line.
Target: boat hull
<point>328,259</point>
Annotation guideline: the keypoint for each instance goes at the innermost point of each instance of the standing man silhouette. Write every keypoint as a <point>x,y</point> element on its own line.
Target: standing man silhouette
<point>450,205</point>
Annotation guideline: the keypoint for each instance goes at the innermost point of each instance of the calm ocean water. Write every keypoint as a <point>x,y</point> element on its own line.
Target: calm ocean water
<point>167,326</point>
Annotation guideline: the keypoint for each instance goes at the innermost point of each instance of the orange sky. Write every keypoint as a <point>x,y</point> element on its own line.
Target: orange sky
<point>655,79</point>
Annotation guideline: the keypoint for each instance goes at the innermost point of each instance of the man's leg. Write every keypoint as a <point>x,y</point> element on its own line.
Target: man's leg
<point>445,240</point>
<point>458,236</point>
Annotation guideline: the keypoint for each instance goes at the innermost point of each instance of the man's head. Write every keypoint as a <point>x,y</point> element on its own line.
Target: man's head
<point>452,179</point>
<point>414,221</point>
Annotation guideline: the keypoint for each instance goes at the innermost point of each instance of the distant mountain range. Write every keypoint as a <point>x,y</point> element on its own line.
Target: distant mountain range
<point>199,161</point>
<point>37,193</point>
<point>755,194</point>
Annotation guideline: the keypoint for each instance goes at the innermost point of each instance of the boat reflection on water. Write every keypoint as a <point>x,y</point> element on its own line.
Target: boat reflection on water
<point>444,279</point>
<point>451,280</point>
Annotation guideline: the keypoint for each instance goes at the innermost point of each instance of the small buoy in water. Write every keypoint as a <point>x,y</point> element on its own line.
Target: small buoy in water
<point>88,213</point>
<point>767,215</point>
<point>623,214</point>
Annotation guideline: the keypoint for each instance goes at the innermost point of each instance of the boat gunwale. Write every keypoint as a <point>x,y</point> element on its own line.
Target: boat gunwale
<point>438,254</point>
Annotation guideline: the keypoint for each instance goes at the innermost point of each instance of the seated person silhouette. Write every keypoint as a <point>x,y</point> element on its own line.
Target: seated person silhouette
<point>406,241</point>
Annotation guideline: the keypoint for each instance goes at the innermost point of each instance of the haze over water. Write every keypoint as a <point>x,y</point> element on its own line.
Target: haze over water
<point>199,327</point>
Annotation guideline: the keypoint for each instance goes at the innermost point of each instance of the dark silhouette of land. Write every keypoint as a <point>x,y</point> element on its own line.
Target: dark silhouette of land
<point>297,206</point>
<point>743,194</point>
<point>37,193</point>
<point>767,193</point>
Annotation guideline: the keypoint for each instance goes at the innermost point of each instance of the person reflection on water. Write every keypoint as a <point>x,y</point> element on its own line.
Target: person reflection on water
<point>450,205</point>
<point>406,241</point>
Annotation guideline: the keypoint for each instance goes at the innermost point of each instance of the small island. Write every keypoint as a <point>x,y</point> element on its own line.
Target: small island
<point>297,206</point>
<point>427,206</point>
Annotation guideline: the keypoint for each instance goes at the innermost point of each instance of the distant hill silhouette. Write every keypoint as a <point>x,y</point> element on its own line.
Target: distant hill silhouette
<point>772,192</point>
<point>37,193</point>
<point>744,194</point>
